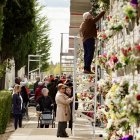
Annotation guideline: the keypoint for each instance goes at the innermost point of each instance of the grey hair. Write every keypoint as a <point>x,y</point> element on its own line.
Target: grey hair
<point>44,90</point>
<point>85,15</point>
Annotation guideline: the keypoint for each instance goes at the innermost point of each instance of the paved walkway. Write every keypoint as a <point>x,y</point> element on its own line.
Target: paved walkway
<point>83,131</point>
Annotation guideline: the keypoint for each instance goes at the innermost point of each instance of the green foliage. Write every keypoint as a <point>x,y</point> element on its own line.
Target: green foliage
<point>18,33</point>
<point>104,4</point>
<point>25,32</point>
<point>2,2</point>
<point>5,109</point>
<point>53,69</point>
<point>97,4</point>
<point>1,24</point>
<point>43,41</point>
<point>95,7</point>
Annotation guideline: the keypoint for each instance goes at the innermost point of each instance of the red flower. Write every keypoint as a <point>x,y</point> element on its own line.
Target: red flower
<point>137,47</point>
<point>114,58</point>
<point>104,36</point>
<point>129,49</point>
<point>108,18</point>
<point>138,97</point>
<point>126,18</point>
<point>125,52</point>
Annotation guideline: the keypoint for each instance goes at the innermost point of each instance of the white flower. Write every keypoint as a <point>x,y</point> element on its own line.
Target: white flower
<point>109,124</point>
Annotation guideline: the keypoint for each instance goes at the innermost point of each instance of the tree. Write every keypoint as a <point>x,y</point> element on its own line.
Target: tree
<point>19,24</point>
<point>24,32</point>
<point>43,41</point>
<point>57,69</point>
<point>53,68</point>
<point>36,42</point>
<point>2,67</point>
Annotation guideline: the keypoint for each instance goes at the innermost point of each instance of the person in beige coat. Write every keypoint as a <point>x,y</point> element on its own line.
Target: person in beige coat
<point>63,110</point>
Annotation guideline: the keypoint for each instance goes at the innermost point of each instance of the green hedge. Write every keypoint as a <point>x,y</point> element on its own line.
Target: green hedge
<point>5,109</point>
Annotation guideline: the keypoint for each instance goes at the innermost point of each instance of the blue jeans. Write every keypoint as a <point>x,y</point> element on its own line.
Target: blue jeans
<point>89,48</point>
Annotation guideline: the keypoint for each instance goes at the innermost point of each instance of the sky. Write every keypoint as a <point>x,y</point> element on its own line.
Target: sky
<point>58,15</point>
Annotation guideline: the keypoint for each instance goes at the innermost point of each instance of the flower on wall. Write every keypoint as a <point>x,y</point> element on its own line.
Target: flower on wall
<point>129,11</point>
<point>134,3</point>
<point>121,112</point>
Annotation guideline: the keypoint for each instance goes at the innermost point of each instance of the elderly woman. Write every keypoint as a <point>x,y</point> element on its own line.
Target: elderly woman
<point>45,104</point>
<point>63,110</point>
<point>88,32</point>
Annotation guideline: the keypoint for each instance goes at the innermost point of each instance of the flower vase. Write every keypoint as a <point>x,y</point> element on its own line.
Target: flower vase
<point>131,24</point>
<point>138,123</point>
<point>127,31</point>
<point>120,72</point>
<point>128,69</point>
<point>138,69</point>
<point>138,11</point>
<point>109,71</point>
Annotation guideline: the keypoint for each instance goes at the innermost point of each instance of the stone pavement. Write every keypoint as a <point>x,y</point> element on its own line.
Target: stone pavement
<point>83,131</point>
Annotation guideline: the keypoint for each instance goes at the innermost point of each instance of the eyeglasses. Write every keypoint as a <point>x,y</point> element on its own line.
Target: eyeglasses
<point>62,88</point>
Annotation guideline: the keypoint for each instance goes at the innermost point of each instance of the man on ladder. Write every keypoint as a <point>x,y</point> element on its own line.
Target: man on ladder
<point>88,32</point>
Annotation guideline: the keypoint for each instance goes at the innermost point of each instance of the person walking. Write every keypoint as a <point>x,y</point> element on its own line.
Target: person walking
<point>17,103</point>
<point>25,97</point>
<point>45,104</point>
<point>36,83</point>
<point>63,110</point>
<point>88,32</point>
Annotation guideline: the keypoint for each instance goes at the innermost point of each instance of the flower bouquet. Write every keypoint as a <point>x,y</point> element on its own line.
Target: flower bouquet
<point>115,24</point>
<point>135,57</point>
<point>130,13</point>
<point>101,60</point>
<point>132,102</point>
<point>104,86</point>
<point>125,56</point>
<point>102,36</point>
<point>113,61</point>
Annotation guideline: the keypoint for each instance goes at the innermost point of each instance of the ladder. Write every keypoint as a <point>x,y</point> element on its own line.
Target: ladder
<point>83,82</point>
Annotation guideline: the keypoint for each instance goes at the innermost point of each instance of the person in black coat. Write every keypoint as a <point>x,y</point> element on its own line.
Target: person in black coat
<point>52,87</point>
<point>45,104</point>
<point>36,83</point>
<point>69,93</point>
<point>25,98</point>
<point>17,103</point>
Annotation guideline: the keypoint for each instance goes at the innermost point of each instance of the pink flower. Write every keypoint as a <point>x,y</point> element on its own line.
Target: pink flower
<point>110,63</point>
<point>104,36</point>
<point>105,55</point>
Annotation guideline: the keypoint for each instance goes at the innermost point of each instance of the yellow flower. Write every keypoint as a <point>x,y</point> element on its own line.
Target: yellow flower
<point>113,117</point>
<point>114,87</point>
